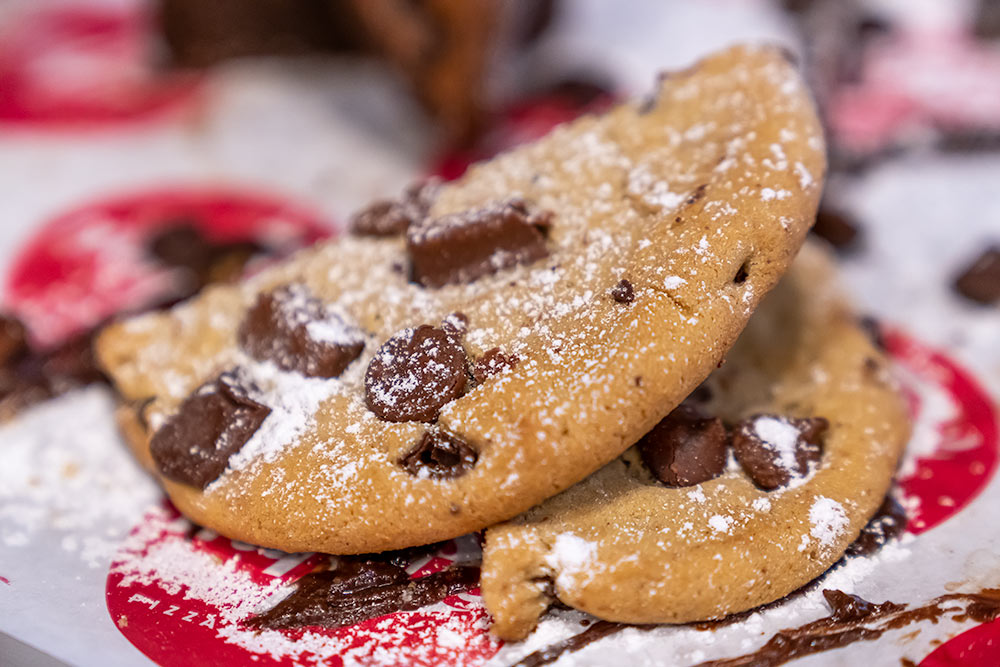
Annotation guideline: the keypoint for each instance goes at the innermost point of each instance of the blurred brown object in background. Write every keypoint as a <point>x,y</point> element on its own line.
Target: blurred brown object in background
<point>200,33</point>
<point>441,46</point>
<point>836,227</point>
<point>986,23</point>
<point>980,282</point>
<point>28,377</point>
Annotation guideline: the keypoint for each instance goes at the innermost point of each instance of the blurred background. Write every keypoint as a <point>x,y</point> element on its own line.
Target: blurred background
<point>148,148</point>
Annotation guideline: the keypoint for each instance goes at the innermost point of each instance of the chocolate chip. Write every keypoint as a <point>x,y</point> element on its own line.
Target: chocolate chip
<point>873,329</point>
<point>493,362</point>
<point>836,227</point>
<point>414,374</point>
<point>389,217</point>
<point>462,247</point>
<point>212,424</point>
<point>296,331</point>
<point>623,292</point>
<point>456,324</point>
<point>439,455</point>
<point>686,447</point>
<point>774,449</point>
<point>13,339</point>
<point>980,282</point>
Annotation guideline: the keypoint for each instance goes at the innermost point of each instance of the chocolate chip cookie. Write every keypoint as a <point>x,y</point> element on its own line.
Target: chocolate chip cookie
<point>753,487</point>
<point>491,341</point>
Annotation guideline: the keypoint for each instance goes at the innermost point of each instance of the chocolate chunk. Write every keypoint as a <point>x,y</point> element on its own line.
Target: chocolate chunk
<point>981,281</point>
<point>212,424</point>
<point>686,447</point>
<point>836,227</point>
<point>774,449</point>
<point>623,292</point>
<point>439,455</point>
<point>181,245</point>
<point>296,331</point>
<point>462,247</point>
<point>493,362</point>
<point>456,324</point>
<point>414,374</point>
<point>13,339</point>
<point>389,217</point>
<point>359,590</point>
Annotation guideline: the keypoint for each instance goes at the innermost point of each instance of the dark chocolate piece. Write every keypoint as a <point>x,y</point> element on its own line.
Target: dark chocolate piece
<point>213,423</point>
<point>414,374</point>
<point>295,330</point>
<point>357,592</point>
<point>623,292</point>
<point>981,281</point>
<point>774,449</point>
<point>456,324</point>
<point>13,339</point>
<point>836,227</point>
<point>493,362</point>
<point>389,217</point>
<point>686,447</point>
<point>439,455</point>
<point>462,247</point>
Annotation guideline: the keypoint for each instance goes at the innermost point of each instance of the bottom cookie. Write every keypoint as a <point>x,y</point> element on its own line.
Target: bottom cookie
<point>752,488</point>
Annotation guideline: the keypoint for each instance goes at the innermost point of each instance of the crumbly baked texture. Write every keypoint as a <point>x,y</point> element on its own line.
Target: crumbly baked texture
<point>698,197</point>
<point>625,547</point>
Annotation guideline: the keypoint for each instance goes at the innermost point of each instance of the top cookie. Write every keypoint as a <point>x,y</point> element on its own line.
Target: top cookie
<point>590,281</point>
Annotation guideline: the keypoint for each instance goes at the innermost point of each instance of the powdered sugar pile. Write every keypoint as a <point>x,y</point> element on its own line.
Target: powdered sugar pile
<point>65,470</point>
<point>828,520</point>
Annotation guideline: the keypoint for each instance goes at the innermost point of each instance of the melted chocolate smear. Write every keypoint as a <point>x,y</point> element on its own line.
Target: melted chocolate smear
<point>461,247</point>
<point>440,455</point>
<point>550,654</point>
<point>389,217</point>
<point>296,331</point>
<point>855,619</point>
<point>361,590</point>
<point>414,374</point>
<point>888,523</point>
<point>686,447</point>
<point>762,460</point>
<point>212,424</point>
<point>623,292</point>
<point>980,282</point>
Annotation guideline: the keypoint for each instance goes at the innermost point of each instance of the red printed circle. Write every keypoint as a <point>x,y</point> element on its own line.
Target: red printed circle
<point>977,647</point>
<point>180,597</point>
<point>91,262</point>
<point>84,66</point>
<point>953,452</point>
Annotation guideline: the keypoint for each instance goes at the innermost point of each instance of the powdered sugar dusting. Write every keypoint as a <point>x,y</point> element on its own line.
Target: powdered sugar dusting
<point>828,520</point>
